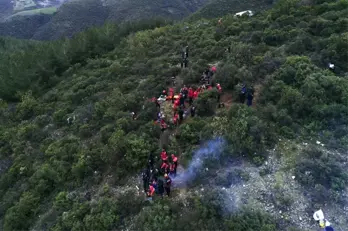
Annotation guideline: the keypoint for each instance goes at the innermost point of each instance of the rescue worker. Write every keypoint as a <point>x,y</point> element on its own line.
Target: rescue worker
<point>154,184</point>
<point>171,94</point>
<point>164,94</point>
<point>242,94</point>
<point>134,115</point>
<point>250,97</point>
<point>219,88</point>
<point>182,100</point>
<point>190,95</point>
<point>185,62</point>
<point>195,94</point>
<point>171,169</point>
<point>151,192</point>
<point>156,102</point>
<point>164,126</point>
<point>145,177</point>
<point>175,163</point>
<point>173,80</point>
<point>176,119</point>
<point>167,184</point>
<point>319,217</point>
<point>181,114</point>
<point>165,167</point>
<point>185,92</point>
<point>193,111</point>
<point>151,161</point>
<point>160,187</point>
<point>164,155</point>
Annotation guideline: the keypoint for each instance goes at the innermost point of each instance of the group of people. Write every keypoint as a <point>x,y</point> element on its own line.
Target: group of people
<point>182,103</point>
<point>153,181</point>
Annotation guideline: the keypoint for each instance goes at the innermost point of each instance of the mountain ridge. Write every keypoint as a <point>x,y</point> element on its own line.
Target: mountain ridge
<point>75,16</point>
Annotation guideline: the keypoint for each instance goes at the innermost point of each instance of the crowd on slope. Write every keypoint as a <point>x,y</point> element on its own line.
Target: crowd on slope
<point>158,180</point>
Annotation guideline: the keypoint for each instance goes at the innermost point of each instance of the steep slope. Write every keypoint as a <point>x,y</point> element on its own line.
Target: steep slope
<point>72,18</point>
<point>86,175</point>
<point>24,27</point>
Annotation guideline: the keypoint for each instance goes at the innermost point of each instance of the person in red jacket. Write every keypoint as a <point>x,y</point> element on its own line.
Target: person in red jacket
<point>176,119</point>
<point>190,95</point>
<point>195,94</point>
<point>219,88</point>
<point>171,169</point>
<point>175,164</point>
<point>163,125</point>
<point>165,167</point>
<point>164,155</point>
<point>171,94</point>
<point>151,192</point>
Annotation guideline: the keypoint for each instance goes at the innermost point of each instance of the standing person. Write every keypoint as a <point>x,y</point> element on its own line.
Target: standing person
<point>219,88</point>
<point>175,163</point>
<point>182,100</point>
<point>171,169</point>
<point>187,51</point>
<point>151,161</point>
<point>181,114</point>
<point>193,111</point>
<point>163,125</point>
<point>146,179</point>
<point>156,102</point>
<point>171,94</point>
<point>195,94</point>
<point>242,95</point>
<point>164,167</point>
<point>190,95</point>
<point>250,97</point>
<point>164,155</point>
<point>167,184</point>
<point>176,119</point>
<point>185,92</point>
<point>185,62</point>
<point>160,187</point>
<point>151,192</point>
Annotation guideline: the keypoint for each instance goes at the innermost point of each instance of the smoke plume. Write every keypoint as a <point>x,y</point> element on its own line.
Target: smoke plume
<point>209,150</point>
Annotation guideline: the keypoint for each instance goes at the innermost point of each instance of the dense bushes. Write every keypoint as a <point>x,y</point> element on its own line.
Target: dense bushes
<point>102,75</point>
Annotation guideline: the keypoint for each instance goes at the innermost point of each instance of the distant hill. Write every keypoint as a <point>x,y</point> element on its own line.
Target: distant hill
<point>75,16</point>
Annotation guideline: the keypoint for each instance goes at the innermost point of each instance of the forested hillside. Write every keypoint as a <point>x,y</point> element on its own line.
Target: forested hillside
<point>283,157</point>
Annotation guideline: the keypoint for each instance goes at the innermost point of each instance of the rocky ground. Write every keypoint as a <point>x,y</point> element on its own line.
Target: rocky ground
<point>271,187</point>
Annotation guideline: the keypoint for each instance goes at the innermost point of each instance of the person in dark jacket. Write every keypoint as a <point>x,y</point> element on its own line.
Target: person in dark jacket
<point>193,111</point>
<point>181,114</point>
<point>242,94</point>
<point>167,184</point>
<point>182,100</point>
<point>160,187</point>
<point>250,97</point>
<point>145,180</point>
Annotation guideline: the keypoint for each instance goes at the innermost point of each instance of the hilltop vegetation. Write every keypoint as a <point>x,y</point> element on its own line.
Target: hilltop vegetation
<point>59,177</point>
